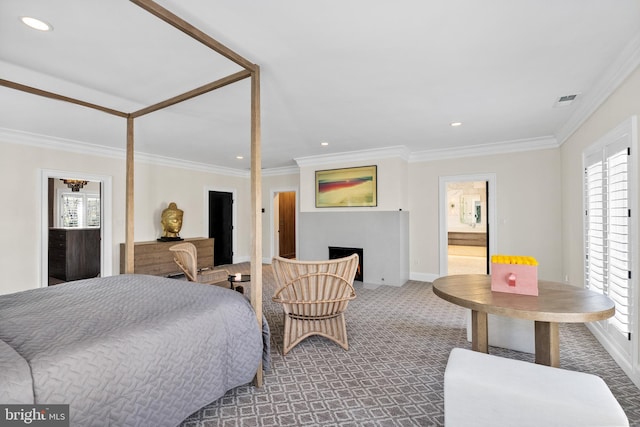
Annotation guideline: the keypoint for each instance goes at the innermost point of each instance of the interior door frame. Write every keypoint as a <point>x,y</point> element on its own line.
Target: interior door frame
<point>272,229</point>
<point>491,216</point>
<point>234,217</point>
<point>106,207</point>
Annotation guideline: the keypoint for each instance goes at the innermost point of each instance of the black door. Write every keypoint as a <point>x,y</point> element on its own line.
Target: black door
<point>486,188</point>
<point>221,226</point>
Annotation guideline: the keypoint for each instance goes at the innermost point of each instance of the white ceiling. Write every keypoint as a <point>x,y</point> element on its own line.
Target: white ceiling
<point>359,74</point>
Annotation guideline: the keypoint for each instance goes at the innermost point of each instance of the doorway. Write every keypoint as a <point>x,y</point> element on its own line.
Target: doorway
<point>466,224</point>
<point>76,236</point>
<point>221,226</point>
<point>74,230</point>
<point>284,210</point>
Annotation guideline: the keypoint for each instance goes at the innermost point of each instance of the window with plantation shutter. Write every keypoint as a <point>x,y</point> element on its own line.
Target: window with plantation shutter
<point>607,189</point>
<point>93,211</point>
<point>72,210</point>
<point>79,210</point>
<point>618,262</point>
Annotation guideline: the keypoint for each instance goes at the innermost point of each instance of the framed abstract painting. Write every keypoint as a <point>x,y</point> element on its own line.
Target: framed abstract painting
<point>350,187</point>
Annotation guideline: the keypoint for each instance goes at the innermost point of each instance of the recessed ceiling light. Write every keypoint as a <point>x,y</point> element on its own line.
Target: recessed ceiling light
<point>455,124</point>
<point>324,143</point>
<point>239,157</point>
<point>36,24</point>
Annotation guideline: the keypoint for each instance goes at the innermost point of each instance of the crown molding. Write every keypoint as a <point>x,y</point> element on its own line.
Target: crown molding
<point>192,166</point>
<point>518,145</point>
<point>620,69</point>
<point>79,147</point>
<point>285,170</point>
<point>73,146</point>
<point>353,156</point>
<point>13,136</point>
<point>529,144</point>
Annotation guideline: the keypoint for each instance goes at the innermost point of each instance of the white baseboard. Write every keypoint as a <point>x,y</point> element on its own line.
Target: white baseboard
<point>423,277</point>
<point>619,357</point>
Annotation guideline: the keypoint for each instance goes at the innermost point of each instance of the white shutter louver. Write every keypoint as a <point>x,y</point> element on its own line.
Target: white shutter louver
<point>607,254</point>
<point>595,246</point>
<point>618,237</point>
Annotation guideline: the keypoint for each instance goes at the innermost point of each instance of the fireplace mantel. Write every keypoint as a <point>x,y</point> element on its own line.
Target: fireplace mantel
<point>383,236</point>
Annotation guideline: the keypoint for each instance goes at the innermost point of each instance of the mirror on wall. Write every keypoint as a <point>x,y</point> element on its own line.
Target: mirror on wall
<point>470,209</point>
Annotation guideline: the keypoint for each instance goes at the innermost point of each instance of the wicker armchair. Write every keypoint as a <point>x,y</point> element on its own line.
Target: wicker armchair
<point>186,256</point>
<point>314,295</point>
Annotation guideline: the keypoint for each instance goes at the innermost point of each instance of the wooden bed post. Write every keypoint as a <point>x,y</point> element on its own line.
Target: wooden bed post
<point>256,206</point>
<point>129,216</point>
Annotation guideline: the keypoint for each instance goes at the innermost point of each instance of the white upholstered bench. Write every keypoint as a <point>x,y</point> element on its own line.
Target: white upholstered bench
<point>485,390</point>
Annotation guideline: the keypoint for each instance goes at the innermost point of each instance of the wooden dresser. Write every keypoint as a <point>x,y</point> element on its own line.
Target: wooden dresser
<point>467,238</point>
<point>74,253</point>
<point>156,259</point>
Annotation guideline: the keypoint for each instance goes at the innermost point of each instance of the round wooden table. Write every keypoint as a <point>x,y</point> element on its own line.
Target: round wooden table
<point>555,303</point>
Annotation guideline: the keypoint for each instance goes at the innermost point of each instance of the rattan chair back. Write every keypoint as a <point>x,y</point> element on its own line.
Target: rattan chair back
<point>186,256</point>
<point>314,296</point>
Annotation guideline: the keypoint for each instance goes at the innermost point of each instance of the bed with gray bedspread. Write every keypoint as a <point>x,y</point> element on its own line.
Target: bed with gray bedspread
<point>127,350</point>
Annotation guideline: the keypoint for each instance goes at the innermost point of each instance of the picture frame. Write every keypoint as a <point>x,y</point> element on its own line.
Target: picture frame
<point>347,187</point>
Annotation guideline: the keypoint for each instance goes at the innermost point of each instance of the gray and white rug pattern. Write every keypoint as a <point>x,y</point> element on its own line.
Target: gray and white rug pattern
<point>392,375</point>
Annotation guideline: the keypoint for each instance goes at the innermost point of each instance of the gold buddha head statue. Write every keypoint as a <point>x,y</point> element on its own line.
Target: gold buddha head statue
<point>171,221</point>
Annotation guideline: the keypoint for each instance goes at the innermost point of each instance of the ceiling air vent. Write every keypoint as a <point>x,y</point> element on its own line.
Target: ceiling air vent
<point>565,101</point>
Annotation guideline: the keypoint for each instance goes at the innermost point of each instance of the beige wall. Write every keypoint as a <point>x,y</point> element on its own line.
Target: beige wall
<point>155,187</point>
<point>20,254</point>
<point>528,207</point>
<point>528,204</point>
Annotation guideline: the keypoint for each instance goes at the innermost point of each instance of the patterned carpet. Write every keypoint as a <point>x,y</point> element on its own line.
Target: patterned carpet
<point>392,375</point>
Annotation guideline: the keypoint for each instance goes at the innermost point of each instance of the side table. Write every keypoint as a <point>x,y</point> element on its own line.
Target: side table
<point>234,281</point>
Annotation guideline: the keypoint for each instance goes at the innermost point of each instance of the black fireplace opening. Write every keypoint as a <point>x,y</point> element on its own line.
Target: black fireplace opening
<point>339,252</point>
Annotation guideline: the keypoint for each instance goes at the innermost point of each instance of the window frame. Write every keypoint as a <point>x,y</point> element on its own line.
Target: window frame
<point>85,196</point>
<point>623,347</point>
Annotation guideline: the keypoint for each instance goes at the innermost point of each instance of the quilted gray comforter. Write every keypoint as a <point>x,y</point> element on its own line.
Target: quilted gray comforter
<point>127,350</point>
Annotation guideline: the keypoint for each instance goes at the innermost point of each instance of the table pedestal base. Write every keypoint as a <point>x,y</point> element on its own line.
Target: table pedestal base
<point>547,344</point>
<point>547,339</point>
<point>479,331</point>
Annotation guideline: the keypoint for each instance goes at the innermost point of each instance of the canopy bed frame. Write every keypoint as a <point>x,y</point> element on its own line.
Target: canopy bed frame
<point>252,71</point>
